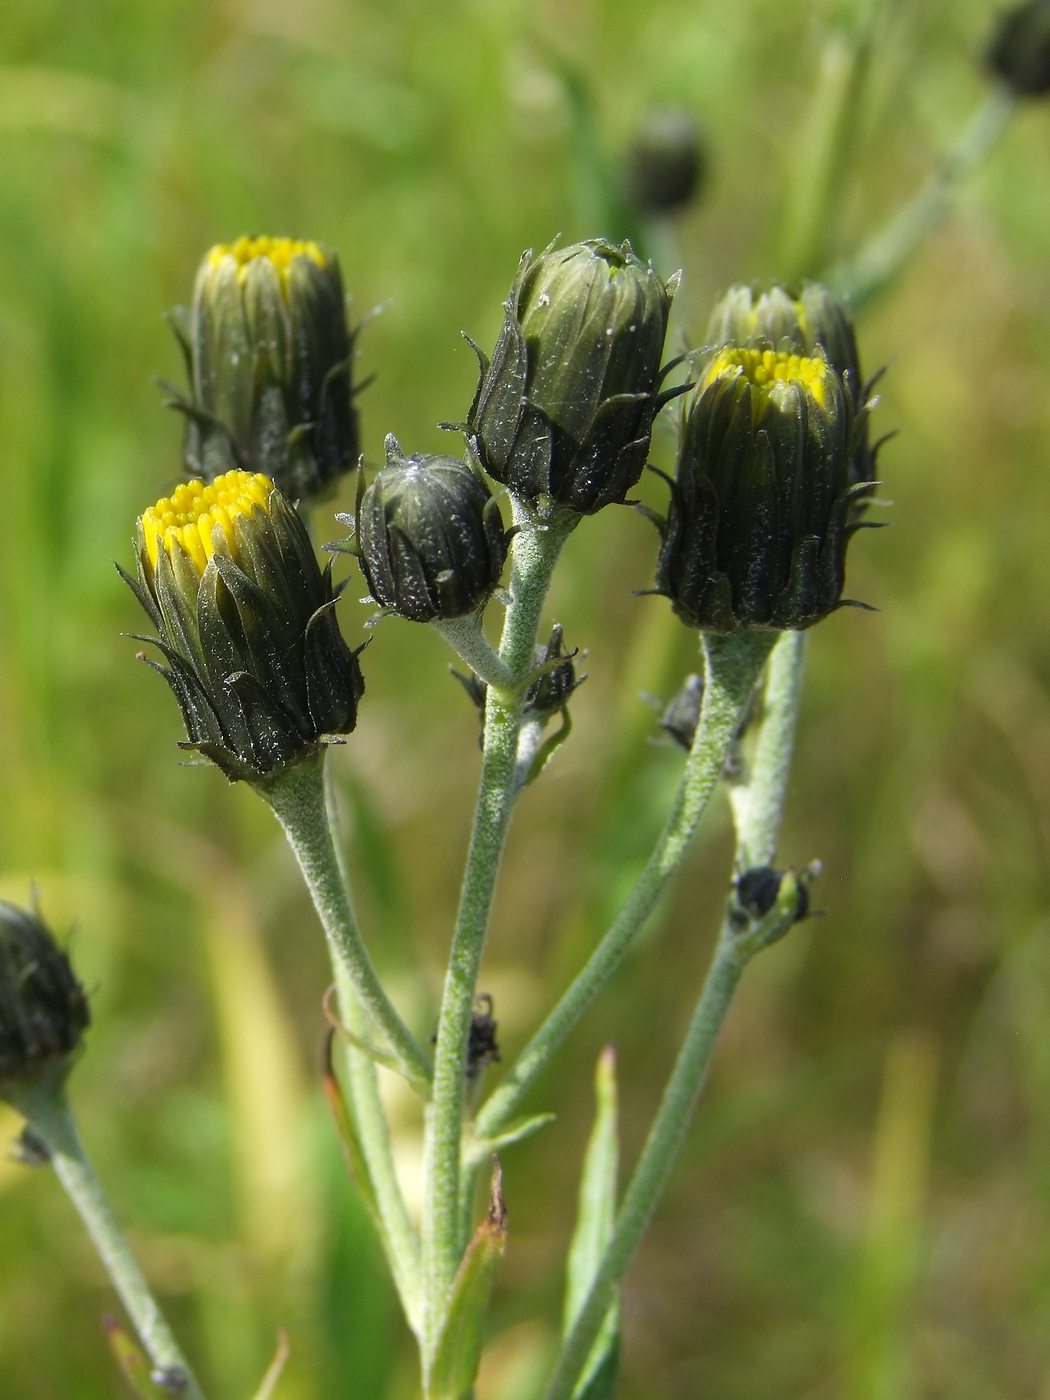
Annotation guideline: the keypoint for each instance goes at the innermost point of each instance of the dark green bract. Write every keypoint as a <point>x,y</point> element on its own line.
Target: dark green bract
<point>43,1008</point>
<point>430,537</point>
<point>564,410</point>
<point>269,358</point>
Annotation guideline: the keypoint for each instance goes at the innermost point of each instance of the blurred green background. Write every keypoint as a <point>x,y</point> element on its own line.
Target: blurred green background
<point>863,1208</point>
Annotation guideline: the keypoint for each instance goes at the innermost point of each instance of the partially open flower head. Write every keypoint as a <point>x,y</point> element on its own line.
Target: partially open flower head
<point>1019,53</point>
<point>806,321</point>
<point>245,621</point>
<point>43,1008</point>
<point>430,537</point>
<point>564,410</point>
<point>269,358</point>
<point>759,520</point>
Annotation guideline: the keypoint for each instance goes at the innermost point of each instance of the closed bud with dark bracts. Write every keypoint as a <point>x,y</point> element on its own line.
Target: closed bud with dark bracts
<point>666,163</point>
<point>1019,53</point>
<point>430,537</point>
<point>245,620</point>
<point>43,1008</point>
<point>757,891</point>
<point>760,512</point>
<point>808,321</point>
<point>269,354</point>
<point>564,410</point>
<point>549,695</point>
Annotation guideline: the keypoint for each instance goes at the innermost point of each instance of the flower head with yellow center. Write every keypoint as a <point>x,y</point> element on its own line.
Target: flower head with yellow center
<point>269,356</point>
<point>765,369</point>
<point>245,622</point>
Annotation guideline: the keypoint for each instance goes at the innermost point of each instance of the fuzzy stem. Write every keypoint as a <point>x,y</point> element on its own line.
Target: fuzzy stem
<point>733,667</point>
<point>297,798</point>
<point>535,552</point>
<point>757,808</point>
<point>48,1112</point>
<point>862,278</point>
<point>467,639</point>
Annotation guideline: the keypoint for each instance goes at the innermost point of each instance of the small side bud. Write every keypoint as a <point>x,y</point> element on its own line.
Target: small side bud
<point>43,1008</point>
<point>682,715</point>
<point>482,1047</point>
<point>430,537</point>
<point>1019,52</point>
<point>549,695</point>
<point>758,889</point>
<point>666,165</point>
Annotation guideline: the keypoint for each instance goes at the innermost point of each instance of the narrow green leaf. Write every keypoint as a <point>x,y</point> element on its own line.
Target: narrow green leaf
<point>131,1360</point>
<point>356,1163</point>
<point>594,1225</point>
<point>268,1384</point>
<point>459,1345</point>
<point>517,1130</point>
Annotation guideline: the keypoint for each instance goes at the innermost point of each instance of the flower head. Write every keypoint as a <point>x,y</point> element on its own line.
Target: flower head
<point>245,621</point>
<point>269,354</point>
<point>564,410</point>
<point>759,520</point>
<point>43,1008</point>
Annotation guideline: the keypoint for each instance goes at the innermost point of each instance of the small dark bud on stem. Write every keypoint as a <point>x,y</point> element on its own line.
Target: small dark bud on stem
<point>43,1008</point>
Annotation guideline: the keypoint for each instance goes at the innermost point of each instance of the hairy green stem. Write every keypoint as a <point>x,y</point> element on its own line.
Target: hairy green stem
<point>297,798</point>
<point>758,806</point>
<point>758,803</point>
<point>862,278</point>
<point>733,668</point>
<point>48,1112</point>
<point>535,552</point>
<point>467,639</point>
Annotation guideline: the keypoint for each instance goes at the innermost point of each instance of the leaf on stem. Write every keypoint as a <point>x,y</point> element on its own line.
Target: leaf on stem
<point>275,1368</point>
<point>596,1216</point>
<point>131,1359</point>
<point>517,1130</point>
<point>356,1162</point>
<point>459,1343</point>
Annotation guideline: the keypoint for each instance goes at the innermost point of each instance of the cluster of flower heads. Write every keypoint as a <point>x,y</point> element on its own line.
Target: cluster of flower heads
<point>774,468</point>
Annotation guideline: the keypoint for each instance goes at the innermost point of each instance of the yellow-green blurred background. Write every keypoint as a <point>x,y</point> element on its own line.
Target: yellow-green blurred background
<point>863,1208</point>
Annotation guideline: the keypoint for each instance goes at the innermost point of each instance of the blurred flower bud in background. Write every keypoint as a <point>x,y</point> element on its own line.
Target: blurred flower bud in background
<point>43,1008</point>
<point>269,358</point>
<point>564,411</point>
<point>666,166</point>
<point>245,620</point>
<point>1019,53</point>
<point>430,536</point>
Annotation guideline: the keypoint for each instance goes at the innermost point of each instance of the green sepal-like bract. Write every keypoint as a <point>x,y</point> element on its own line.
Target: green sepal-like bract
<point>564,410</point>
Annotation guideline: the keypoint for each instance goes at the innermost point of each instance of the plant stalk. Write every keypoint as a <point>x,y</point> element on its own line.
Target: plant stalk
<point>536,550</point>
<point>49,1114</point>
<point>734,665</point>
<point>297,798</point>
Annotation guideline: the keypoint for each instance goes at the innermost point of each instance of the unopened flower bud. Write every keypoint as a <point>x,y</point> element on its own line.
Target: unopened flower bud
<point>269,355</point>
<point>549,695</point>
<point>564,410</point>
<point>682,715</point>
<point>807,322</point>
<point>43,1008</point>
<point>666,163</point>
<point>758,889</point>
<point>1019,53</point>
<point>482,1045</point>
<point>245,621</point>
<point>430,537</point>
<point>760,508</point>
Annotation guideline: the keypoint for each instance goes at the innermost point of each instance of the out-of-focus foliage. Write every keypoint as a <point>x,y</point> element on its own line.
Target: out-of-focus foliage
<point>863,1209</point>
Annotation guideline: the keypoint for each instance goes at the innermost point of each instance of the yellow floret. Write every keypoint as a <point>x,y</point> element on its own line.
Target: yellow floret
<point>280,252</point>
<point>193,513</point>
<point>764,368</point>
